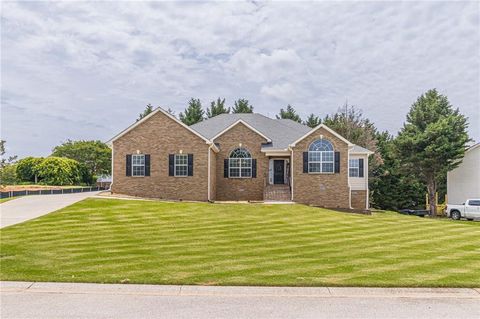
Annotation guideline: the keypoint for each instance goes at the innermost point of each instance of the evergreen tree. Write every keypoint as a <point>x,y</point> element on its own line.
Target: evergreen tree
<point>148,110</point>
<point>171,112</point>
<point>312,121</point>
<point>193,113</point>
<point>242,106</point>
<point>432,141</point>
<point>389,187</point>
<point>216,108</point>
<point>290,114</point>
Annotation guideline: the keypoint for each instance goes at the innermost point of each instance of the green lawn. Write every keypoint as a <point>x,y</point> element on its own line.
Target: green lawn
<point>3,200</point>
<point>107,240</point>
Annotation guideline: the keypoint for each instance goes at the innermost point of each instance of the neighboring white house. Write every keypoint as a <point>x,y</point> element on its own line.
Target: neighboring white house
<point>464,181</point>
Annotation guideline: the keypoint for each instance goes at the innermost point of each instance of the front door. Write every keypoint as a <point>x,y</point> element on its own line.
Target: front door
<point>278,171</point>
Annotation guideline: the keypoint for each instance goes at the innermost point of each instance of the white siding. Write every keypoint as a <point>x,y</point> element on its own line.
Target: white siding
<point>464,181</point>
<point>360,183</point>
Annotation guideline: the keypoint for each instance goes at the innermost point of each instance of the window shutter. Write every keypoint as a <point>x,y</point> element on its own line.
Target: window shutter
<point>190,164</point>
<point>225,168</point>
<point>129,165</point>
<point>305,162</point>
<point>254,168</point>
<point>337,162</point>
<point>360,167</point>
<point>147,164</point>
<point>171,165</point>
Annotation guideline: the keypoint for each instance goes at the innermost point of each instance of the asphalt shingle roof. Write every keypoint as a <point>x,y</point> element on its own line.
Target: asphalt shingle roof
<point>281,132</point>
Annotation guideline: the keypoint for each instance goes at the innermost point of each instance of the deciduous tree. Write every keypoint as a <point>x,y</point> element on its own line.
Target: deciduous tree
<point>95,155</point>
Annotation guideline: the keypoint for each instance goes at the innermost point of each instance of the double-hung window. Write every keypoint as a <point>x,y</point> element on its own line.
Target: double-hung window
<point>354,167</point>
<point>181,165</point>
<point>138,165</point>
<point>321,157</point>
<point>240,164</point>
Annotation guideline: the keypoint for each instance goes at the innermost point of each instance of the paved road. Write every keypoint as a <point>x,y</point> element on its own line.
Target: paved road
<point>33,206</point>
<point>63,300</point>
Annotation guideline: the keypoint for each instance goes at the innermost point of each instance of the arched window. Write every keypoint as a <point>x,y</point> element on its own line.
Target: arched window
<point>240,163</point>
<point>321,157</point>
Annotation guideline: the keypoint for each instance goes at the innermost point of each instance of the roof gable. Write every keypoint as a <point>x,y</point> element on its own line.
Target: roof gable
<point>247,125</point>
<point>173,118</point>
<point>316,129</point>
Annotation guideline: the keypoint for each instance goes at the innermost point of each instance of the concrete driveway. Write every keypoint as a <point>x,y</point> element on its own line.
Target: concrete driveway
<point>76,300</point>
<point>29,207</point>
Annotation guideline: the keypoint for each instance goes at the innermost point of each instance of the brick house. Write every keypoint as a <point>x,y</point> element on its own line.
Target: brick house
<point>239,157</point>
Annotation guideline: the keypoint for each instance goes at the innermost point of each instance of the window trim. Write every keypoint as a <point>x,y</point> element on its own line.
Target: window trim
<point>138,165</point>
<point>357,160</point>
<point>321,161</point>
<point>240,167</point>
<point>183,165</point>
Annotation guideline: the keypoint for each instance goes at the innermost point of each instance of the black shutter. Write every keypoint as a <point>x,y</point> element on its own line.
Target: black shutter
<point>360,167</point>
<point>225,168</point>
<point>129,165</point>
<point>305,162</point>
<point>190,164</point>
<point>337,162</point>
<point>171,165</point>
<point>147,164</point>
<point>254,168</point>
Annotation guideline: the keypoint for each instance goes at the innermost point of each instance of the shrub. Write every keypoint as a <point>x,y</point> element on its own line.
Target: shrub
<point>8,174</point>
<point>59,171</point>
<point>26,168</point>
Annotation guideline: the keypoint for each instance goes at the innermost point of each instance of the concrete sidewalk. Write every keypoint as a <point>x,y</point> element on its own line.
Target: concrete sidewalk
<point>29,207</point>
<point>75,300</point>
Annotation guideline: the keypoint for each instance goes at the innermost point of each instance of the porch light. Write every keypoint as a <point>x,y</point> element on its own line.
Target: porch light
<point>181,151</point>
<point>138,151</point>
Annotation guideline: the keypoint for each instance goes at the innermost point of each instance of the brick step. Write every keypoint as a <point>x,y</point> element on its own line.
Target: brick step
<point>277,193</point>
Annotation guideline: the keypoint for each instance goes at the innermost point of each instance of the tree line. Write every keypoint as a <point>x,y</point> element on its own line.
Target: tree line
<point>195,112</point>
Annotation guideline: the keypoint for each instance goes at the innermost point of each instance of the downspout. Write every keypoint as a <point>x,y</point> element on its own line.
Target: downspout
<point>111,173</point>
<point>348,176</point>
<point>208,170</point>
<point>291,171</point>
<point>366,185</point>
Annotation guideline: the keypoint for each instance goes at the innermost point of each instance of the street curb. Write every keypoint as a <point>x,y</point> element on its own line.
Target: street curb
<point>236,291</point>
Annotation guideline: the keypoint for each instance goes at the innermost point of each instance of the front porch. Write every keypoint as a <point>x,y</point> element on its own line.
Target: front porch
<point>277,182</point>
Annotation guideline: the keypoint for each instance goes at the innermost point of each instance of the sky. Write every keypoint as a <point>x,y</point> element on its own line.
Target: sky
<point>84,70</point>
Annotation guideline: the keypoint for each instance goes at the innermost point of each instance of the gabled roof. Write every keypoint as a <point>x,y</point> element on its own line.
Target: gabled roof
<point>317,128</point>
<point>159,109</point>
<point>280,133</point>
<point>359,150</point>
<point>247,125</point>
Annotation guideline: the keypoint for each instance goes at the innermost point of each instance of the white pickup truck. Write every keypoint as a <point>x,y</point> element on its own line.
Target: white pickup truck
<point>469,210</point>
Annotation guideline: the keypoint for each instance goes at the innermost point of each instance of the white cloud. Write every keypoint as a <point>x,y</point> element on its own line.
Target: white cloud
<point>85,70</point>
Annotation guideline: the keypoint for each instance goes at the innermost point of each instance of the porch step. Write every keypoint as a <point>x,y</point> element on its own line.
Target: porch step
<point>277,193</point>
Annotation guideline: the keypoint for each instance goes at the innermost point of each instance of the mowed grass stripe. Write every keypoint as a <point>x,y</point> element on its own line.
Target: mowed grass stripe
<point>101,240</point>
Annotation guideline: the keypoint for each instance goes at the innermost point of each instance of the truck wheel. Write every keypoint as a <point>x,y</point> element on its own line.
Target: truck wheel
<point>455,215</point>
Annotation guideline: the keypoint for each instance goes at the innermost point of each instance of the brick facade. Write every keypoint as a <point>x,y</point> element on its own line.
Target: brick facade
<point>160,136</point>
<point>327,190</point>
<point>241,188</point>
